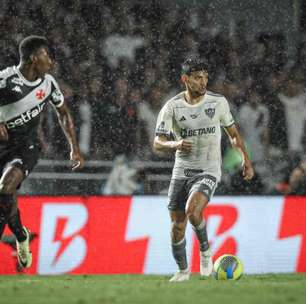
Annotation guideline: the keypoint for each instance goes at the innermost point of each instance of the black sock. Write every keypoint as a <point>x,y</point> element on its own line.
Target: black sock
<point>14,223</point>
<point>201,234</point>
<point>179,254</point>
<point>6,205</point>
<point>3,221</point>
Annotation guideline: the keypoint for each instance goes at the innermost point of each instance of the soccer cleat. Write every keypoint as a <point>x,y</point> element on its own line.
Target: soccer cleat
<point>206,263</point>
<point>24,255</point>
<point>180,276</point>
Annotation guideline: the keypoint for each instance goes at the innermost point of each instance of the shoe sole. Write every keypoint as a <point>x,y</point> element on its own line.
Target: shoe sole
<point>29,262</point>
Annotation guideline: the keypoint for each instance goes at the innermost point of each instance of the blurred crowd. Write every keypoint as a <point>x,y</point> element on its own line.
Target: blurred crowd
<point>118,62</point>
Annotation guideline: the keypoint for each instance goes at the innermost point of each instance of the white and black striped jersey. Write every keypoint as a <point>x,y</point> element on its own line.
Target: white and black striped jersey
<point>200,124</point>
<point>21,103</point>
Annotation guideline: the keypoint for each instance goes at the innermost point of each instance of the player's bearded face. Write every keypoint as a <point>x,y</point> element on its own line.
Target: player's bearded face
<point>197,83</point>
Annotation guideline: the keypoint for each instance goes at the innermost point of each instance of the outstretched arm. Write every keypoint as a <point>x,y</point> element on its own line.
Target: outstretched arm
<point>67,125</point>
<point>3,132</point>
<point>237,143</point>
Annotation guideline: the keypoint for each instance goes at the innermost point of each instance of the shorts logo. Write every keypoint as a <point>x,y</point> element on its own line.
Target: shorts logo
<point>209,182</point>
<point>192,172</point>
<point>210,112</point>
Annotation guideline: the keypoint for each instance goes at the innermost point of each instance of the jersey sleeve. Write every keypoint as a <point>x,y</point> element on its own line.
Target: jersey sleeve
<point>226,117</point>
<point>2,83</point>
<point>57,97</point>
<point>3,95</point>
<point>3,90</point>
<point>164,124</point>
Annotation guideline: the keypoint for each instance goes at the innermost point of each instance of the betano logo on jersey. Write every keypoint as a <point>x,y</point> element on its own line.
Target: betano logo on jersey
<point>25,117</point>
<point>197,132</point>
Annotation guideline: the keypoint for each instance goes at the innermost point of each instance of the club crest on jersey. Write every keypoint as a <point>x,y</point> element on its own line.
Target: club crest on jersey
<point>56,96</point>
<point>40,94</point>
<point>210,112</point>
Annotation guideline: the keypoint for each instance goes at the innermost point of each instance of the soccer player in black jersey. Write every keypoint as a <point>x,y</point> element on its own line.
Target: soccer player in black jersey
<point>25,91</point>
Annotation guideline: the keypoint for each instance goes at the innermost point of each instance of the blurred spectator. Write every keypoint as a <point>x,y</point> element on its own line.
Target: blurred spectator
<point>253,119</point>
<point>297,180</point>
<point>293,97</point>
<point>121,45</point>
<point>277,117</point>
<point>122,62</point>
<point>119,120</point>
<point>148,111</point>
<point>122,179</point>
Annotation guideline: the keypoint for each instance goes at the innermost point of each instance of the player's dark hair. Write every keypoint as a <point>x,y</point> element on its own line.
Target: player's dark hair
<point>194,64</point>
<point>29,45</point>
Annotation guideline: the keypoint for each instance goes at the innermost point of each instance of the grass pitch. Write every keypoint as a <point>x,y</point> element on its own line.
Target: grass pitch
<point>27,289</point>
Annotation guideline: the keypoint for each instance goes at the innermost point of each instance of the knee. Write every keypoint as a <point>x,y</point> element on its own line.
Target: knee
<point>6,204</point>
<point>194,216</point>
<point>7,188</point>
<point>178,231</point>
<point>190,211</point>
<point>10,180</point>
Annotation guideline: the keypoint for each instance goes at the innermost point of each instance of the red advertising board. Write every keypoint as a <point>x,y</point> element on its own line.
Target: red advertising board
<point>103,235</point>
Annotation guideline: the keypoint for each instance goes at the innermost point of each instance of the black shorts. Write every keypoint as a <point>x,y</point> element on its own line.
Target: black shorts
<point>24,158</point>
<point>181,189</point>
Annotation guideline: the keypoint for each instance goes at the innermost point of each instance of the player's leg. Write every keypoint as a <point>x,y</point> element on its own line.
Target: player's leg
<point>22,234</point>
<point>177,201</point>
<point>195,206</point>
<point>9,182</point>
<point>178,244</point>
<point>194,211</point>
<point>178,241</point>
<point>14,222</point>
<point>200,193</point>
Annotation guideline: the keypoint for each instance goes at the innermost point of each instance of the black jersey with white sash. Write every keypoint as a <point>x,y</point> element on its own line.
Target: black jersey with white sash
<point>21,104</point>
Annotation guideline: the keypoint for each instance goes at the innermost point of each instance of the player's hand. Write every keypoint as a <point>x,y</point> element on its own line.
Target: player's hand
<point>3,132</point>
<point>247,170</point>
<point>184,146</point>
<point>77,160</point>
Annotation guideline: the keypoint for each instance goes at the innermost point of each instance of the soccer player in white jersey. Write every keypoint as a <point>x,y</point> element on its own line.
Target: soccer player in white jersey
<point>190,125</point>
<point>25,91</point>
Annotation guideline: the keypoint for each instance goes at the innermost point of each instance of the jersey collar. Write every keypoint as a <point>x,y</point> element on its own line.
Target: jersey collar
<point>193,105</point>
